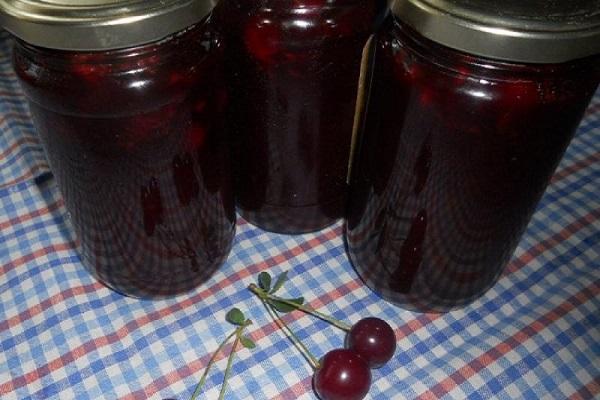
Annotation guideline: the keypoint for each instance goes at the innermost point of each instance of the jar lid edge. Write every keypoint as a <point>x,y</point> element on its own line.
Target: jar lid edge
<point>99,24</point>
<point>514,35</point>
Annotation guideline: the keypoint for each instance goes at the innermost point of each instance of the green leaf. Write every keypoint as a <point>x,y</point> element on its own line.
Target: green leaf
<point>247,342</point>
<point>284,307</point>
<point>279,283</point>
<point>264,281</point>
<point>235,316</point>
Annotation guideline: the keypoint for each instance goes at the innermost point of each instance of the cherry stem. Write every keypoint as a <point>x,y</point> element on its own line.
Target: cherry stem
<point>237,332</point>
<point>230,362</point>
<point>312,360</point>
<point>264,295</point>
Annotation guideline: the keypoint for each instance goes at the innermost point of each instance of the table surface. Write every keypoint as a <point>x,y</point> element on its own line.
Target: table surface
<point>534,335</point>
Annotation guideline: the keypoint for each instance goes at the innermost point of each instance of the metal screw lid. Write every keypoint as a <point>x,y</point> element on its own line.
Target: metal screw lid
<point>99,24</point>
<point>533,31</point>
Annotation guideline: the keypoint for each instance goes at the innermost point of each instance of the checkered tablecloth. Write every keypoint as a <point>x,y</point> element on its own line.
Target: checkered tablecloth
<point>535,335</point>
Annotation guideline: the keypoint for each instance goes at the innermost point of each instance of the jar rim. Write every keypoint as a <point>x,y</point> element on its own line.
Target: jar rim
<point>514,30</point>
<point>99,24</point>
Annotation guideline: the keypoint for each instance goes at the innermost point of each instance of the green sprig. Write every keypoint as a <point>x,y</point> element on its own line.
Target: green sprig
<point>235,317</point>
<point>286,305</point>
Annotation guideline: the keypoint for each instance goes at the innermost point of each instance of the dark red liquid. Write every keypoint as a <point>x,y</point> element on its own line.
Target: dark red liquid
<point>293,67</point>
<point>135,139</point>
<point>455,154</point>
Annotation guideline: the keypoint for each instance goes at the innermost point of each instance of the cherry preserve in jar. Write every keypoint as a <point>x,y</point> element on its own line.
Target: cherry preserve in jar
<point>470,107</point>
<point>293,67</point>
<point>128,100</point>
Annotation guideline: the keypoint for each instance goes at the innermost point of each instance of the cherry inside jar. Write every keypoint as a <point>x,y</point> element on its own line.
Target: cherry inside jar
<point>135,139</point>
<point>456,152</point>
<point>293,68</point>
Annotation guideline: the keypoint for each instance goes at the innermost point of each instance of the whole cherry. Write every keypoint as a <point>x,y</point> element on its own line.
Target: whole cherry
<point>342,375</point>
<point>372,339</point>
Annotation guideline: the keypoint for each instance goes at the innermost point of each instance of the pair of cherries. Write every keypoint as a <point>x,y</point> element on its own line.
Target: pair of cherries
<point>342,374</point>
<point>345,374</point>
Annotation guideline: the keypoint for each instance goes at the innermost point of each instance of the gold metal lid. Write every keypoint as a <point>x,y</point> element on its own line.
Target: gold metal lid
<point>99,24</point>
<point>534,31</point>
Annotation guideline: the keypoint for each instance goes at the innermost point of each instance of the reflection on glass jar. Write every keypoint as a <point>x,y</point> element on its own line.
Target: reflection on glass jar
<point>293,68</point>
<point>456,152</point>
<point>128,133</point>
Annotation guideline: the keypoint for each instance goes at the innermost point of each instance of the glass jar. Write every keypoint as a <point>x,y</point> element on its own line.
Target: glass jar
<point>293,67</point>
<point>466,122</point>
<point>134,135</point>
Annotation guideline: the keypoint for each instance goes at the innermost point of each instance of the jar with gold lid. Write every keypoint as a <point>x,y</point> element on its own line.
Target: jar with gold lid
<point>470,107</point>
<point>128,100</point>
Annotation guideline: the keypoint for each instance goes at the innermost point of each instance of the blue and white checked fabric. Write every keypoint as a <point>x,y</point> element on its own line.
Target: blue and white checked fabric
<point>536,334</point>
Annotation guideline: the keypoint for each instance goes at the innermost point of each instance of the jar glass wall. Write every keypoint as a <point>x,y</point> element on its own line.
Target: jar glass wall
<point>456,152</point>
<point>135,140</point>
<point>293,67</point>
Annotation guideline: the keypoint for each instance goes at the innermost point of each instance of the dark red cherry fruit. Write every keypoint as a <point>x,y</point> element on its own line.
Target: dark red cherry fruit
<point>372,339</point>
<point>343,375</point>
